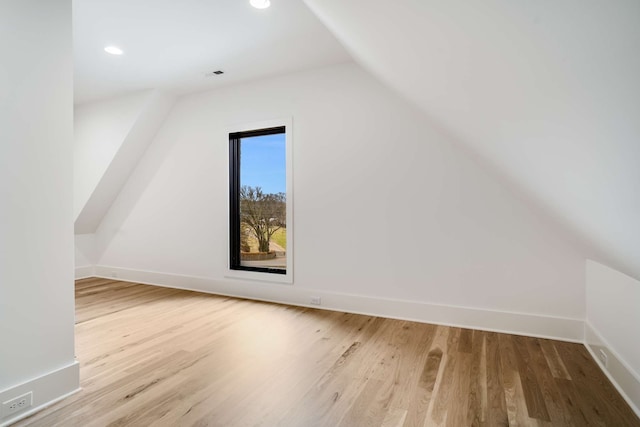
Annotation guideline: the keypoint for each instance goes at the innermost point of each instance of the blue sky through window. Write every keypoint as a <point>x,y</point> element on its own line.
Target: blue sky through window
<point>263,163</point>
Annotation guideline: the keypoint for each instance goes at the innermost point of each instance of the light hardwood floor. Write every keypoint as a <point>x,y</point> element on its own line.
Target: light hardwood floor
<point>165,357</point>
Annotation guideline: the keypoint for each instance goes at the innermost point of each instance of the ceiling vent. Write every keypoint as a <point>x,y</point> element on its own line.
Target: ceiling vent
<point>214,73</point>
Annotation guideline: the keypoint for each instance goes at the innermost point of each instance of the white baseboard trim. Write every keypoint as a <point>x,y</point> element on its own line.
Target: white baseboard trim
<point>47,389</point>
<point>623,377</point>
<point>84,272</point>
<point>534,325</point>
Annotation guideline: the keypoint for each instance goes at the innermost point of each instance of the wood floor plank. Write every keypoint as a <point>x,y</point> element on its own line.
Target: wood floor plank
<point>597,397</point>
<point>152,356</point>
<point>395,418</point>
<point>514,395</point>
<point>447,379</point>
<point>558,414</point>
<point>336,387</point>
<point>438,349</point>
<point>409,358</point>
<point>556,365</point>
<point>534,399</point>
<point>465,341</point>
<point>293,377</point>
<point>369,361</point>
<point>419,403</point>
<point>459,398</point>
<point>398,365</point>
<point>477,403</point>
<point>497,404</point>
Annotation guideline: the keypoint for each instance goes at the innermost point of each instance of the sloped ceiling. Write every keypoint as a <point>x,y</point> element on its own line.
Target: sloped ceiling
<point>546,91</point>
<point>110,138</point>
<point>172,45</point>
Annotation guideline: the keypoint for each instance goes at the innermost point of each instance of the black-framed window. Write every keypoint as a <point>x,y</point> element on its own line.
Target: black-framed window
<point>258,201</point>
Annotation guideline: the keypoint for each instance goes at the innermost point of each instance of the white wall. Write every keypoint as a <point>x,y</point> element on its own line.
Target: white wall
<point>385,206</point>
<point>613,319</point>
<point>36,189</point>
<point>85,257</point>
<point>85,250</point>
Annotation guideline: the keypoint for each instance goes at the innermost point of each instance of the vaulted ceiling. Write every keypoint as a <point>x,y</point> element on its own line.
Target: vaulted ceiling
<point>172,45</point>
<point>546,92</point>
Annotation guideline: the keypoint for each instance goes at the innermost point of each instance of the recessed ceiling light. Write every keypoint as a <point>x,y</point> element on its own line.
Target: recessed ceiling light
<point>260,4</point>
<point>113,50</point>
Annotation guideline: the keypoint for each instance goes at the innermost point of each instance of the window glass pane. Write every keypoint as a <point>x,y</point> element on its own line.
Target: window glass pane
<point>263,180</point>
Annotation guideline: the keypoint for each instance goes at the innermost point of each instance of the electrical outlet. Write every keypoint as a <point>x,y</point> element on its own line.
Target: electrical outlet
<point>17,404</point>
<point>602,355</point>
<point>316,300</point>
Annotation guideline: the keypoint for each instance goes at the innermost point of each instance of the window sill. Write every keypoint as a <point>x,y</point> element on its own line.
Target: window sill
<point>257,276</point>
